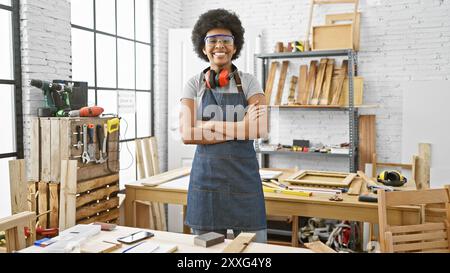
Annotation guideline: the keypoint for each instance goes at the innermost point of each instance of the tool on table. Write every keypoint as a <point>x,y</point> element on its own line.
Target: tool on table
<point>79,143</point>
<point>209,239</point>
<point>44,232</point>
<point>91,146</point>
<point>337,197</point>
<point>44,242</point>
<point>290,192</point>
<point>93,111</point>
<point>56,98</point>
<point>85,156</point>
<point>281,185</point>
<point>370,197</point>
<point>106,226</point>
<point>102,134</point>
<point>113,125</point>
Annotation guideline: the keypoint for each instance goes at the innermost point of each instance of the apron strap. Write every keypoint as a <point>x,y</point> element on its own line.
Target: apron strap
<point>238,82</point>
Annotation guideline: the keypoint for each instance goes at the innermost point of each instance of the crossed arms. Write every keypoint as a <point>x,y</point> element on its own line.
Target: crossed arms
<point>253,126</point>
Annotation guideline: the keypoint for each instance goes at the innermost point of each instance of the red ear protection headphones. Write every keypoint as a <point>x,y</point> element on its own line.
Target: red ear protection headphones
<point>221,79</point>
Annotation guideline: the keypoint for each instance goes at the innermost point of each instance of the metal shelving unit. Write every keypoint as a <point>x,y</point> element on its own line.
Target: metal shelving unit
<point>353,115</point>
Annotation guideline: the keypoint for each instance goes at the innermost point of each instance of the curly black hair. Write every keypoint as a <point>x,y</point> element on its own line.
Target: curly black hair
<point>217,18</point>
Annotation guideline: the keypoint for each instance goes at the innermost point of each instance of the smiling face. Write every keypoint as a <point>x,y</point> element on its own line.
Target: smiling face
<point>220,53</point>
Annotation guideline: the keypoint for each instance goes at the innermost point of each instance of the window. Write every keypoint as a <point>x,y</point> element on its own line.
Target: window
<point>112,51</point>
<point>11,93</point>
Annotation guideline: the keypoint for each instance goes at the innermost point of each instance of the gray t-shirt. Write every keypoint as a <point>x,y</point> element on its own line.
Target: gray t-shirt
<point>195,87</point>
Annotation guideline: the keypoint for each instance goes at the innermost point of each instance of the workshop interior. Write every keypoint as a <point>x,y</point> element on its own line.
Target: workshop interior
<point>204,126</point>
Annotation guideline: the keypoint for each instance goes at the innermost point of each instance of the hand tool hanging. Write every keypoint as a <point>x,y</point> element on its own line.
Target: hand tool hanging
<point>79,143</point>
<point>91,145</point>
<point>102,134</point>
<point>85,156</point>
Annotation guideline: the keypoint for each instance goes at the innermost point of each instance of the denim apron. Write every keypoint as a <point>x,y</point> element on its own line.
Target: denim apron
<point>225,189</point>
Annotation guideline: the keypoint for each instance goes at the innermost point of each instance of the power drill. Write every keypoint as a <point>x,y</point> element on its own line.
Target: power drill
<point>62,99</point>
<point>56,98</point>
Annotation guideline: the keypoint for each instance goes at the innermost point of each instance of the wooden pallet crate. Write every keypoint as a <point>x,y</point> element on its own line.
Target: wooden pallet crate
<point>44,201</point>
<point>52,142</point>
<point>97,200</point>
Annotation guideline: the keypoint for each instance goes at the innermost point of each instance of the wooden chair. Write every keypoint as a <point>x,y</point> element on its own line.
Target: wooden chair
<point>150,215</point>
<point>424,237</point>
<point>14,229</point>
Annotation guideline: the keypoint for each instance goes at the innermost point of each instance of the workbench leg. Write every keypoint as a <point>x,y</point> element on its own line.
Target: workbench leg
<point>295,220</point>
<point>186,229</point>
<point>130,197</point>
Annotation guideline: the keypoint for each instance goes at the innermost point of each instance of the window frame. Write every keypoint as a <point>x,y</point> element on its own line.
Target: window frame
<point>16,82</point>
<point>118,89</point>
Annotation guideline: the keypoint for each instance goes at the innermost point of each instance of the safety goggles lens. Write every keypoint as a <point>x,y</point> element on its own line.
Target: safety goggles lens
<point>224,39</point>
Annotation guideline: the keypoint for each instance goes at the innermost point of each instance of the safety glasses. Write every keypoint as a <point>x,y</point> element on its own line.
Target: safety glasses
<point>226,40</point>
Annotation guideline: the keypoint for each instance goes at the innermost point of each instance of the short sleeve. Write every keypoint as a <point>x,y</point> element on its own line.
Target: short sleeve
<point>253,87</point>
<point>191,89</point>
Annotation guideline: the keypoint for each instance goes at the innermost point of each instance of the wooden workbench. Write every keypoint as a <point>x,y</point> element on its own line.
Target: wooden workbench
<point>319,205</point>
<point>184,243</point>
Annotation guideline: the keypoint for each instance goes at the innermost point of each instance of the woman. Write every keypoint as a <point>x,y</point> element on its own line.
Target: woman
<point>223,112</point>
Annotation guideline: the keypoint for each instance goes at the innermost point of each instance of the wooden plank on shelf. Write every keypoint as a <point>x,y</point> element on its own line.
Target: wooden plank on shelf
<point>325,96</point>
<point>55,156</point>
<point>319,81</point>
<point>45,149</point>
<point>340,85</point>
<point>43,204</point>
<point>68,191</point>
<point>97,195</point>
<point>97,183</point>
<point>302,95</point>
<point>422,173</point>
<point>35,151</point>
<point>291,98</point>
<point>281,82</point>
<point>311,80</point>
<point>367,140</point>
<point>18,186</point>
<point>54,205</point>
<point>92,210</point>
<point>239,244</point>
<point>270,81</point>
<point>332,37</point>
<point>331,19</point>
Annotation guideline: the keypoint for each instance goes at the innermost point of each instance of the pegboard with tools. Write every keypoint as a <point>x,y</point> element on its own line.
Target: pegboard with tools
<point>93,142</point>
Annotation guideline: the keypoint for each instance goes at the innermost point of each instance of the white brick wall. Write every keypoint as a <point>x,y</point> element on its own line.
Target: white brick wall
<point>400,41</point>
<point>45,48</point>
<point>167,14</point>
